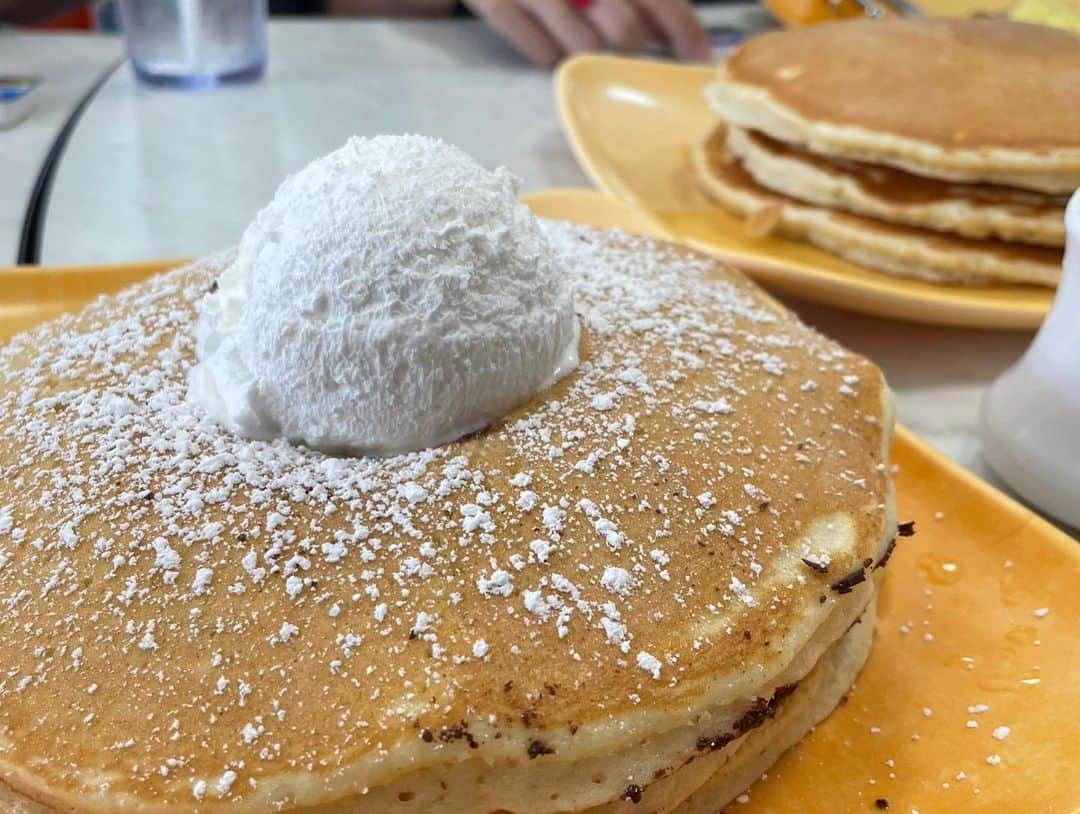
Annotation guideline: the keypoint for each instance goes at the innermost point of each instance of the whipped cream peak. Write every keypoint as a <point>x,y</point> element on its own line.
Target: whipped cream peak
<point>394,295</point>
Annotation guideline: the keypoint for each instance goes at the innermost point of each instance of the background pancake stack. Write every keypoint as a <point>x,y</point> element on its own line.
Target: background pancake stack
<point>937,149</point>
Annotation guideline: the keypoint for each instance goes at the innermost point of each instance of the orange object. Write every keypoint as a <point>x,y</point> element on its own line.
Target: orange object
<point>80,19</point>
<point>808,12</point>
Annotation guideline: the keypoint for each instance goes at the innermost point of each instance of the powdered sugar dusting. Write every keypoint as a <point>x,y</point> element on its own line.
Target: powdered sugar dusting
<point>284,607</point>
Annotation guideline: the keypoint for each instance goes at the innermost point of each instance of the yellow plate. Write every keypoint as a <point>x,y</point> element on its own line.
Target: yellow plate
<point>958,621</point>
<point>631,122</point>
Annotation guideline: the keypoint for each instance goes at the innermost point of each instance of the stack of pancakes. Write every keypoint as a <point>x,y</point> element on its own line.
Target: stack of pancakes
<point>631,594</point>
<point>937,149</point>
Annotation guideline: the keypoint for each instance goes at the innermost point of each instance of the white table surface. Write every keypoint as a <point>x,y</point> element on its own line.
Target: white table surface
<point>155,173</point>
<point>158,173</point>
<point>152,174</point>
<point>69,64</point>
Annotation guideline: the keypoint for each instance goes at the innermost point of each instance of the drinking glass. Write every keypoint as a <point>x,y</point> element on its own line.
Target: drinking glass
<point>195,43</point>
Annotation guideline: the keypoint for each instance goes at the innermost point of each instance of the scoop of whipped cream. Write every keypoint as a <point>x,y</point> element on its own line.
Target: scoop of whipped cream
<point>394,295</point>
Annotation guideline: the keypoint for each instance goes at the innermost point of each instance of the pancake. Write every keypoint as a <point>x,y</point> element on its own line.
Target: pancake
<point>902,251</point>
<point>965,100</point>
<point>896,196</point>
<point>760,752</point>
<point>726,772</point>
<point>624,583</point>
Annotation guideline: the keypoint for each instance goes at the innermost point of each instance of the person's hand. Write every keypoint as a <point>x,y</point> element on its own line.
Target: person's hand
<point>545,31</point>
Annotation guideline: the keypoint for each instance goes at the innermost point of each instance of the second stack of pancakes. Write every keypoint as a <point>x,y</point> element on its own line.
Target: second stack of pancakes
<point>938,149</point>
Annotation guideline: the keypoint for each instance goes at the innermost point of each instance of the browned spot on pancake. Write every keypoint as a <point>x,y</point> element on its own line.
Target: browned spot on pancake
<point>884,560</point>
<point>846,584</point>
<point>537,748</point>
<point>459,732</point>
<point>761,710</point>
